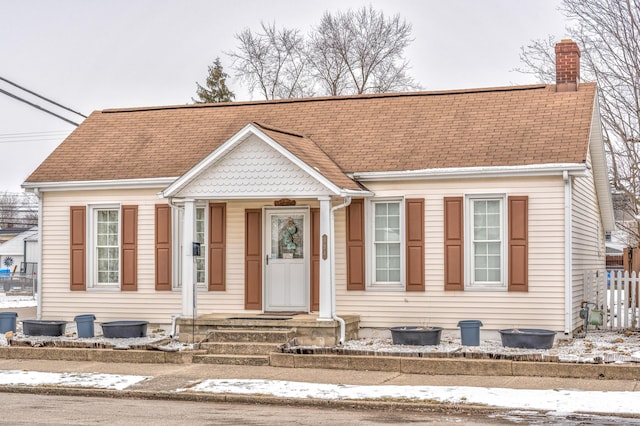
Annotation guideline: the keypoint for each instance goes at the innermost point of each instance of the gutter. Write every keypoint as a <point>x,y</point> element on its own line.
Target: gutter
<point>568,291</point>
<point>332,249</point>
<point>574,169</point>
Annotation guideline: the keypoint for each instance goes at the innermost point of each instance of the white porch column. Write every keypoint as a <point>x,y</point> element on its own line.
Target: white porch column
<point>188,270</point>
<point>325,259</point>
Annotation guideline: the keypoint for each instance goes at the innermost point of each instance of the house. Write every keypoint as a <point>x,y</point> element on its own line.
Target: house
<point>17,261</point>
<point>401,208</point>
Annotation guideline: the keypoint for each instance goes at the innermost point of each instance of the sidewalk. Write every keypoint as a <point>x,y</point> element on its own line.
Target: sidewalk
<point>165,380</point>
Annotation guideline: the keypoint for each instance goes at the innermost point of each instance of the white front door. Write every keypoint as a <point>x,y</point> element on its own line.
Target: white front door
<point>287,260</point>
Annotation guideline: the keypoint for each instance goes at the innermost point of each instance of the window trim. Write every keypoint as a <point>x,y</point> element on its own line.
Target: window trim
<point>469,271</point>
<point>92,255</point>
<point>176,235</point>
<point>370,268</point>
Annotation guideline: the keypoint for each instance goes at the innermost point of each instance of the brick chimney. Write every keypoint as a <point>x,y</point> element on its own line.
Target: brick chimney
<point>567,66</point>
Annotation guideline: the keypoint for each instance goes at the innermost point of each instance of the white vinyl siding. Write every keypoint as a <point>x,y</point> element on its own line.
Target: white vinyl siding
<point>58,302</point>
<point>157,307</point>
<point>588,250</point>
<point>495,308</point>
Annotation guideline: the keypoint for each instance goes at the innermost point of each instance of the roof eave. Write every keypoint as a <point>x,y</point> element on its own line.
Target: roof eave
<point>86,185</point>
<point>574,169</point>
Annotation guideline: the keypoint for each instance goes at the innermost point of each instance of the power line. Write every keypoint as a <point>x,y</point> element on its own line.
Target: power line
<point>37,106</point>
<point>52,137</point>
<point>42,97</point>
<point>33,134</point>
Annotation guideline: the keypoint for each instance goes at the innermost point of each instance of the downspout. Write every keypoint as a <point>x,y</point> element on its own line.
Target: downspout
<point>332,249</point>
<point>568,290</point>
<point>39,257</point>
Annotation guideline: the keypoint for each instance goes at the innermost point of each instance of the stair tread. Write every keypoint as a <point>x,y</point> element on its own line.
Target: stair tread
<point>232,359</point>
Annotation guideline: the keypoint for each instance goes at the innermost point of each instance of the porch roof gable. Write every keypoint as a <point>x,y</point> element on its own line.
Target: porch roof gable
<point>263,162</point>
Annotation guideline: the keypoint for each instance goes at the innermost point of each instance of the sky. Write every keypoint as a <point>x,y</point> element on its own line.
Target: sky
<point>91,56</point>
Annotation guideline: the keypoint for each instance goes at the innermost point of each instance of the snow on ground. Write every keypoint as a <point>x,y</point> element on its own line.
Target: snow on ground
<point>16,301</point>
<point>562,401</point>
<point>553,400</point>
<point>608,346</point>
<point>85,380</point>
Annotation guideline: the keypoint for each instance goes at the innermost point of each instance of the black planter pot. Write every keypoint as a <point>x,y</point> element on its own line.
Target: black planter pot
<point>43,327</point>
<point>417,336</point>
<point>118,329</point>
<point>527,338</point>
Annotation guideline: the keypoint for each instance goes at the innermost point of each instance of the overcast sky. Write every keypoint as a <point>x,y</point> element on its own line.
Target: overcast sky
<point>90,55</point>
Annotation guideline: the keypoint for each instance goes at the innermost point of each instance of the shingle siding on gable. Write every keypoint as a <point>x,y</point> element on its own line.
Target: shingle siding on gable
<point>253,169</point>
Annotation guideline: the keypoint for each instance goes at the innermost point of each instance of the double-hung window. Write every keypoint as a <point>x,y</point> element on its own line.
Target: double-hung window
<point>105,250</point>
<point>199,237</point>
<point>387,236</point>
<point>201,272</point>
<point>486,238</point>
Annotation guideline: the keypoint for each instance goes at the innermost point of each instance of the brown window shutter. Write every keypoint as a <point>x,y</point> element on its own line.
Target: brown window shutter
<point>315,259</point>
<point>453,243</point>
<point>163,247</point>
<point>217,246</point>
<point>355,245</point>
<point>518,243</point>
<point>129,249</point>
<point>78,254</point>
<point>415,244</point>
<point>253,259</point>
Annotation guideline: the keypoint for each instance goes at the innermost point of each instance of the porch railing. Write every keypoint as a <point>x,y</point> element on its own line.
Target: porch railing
<point>615,292</point>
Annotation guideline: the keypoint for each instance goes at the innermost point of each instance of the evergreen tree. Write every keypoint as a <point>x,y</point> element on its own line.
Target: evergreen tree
<point>216,89</point>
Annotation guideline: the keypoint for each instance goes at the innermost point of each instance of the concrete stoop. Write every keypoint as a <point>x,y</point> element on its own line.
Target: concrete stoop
<point>242,346</point>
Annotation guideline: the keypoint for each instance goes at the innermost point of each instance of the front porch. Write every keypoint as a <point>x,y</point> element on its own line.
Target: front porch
<point>305,328</point>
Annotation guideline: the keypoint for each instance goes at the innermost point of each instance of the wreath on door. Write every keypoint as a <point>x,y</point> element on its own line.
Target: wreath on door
<point>8,261</point>
<point>288,234</point>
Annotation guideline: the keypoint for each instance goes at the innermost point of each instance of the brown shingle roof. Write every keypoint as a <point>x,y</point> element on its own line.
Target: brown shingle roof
<point>311,154</point>
<point>520,125</point>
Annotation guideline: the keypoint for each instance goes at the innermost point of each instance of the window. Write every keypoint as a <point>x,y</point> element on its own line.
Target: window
<point>200,237</point>
<point>486,241</point>
<point>387,254</point>
<point>105,250</point>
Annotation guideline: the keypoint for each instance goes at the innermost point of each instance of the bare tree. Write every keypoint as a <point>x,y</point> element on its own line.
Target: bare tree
<point>365,49</point>
<point>273,62</point>
<point>17,210</point>
<point>608,32</point>
<point>353,52</point>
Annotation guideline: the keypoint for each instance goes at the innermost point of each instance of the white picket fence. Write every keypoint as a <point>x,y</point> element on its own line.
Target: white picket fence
<point>615,292</point>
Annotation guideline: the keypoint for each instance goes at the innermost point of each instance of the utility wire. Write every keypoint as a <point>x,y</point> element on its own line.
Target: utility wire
<point>37,106</point>
<point>42,97</point>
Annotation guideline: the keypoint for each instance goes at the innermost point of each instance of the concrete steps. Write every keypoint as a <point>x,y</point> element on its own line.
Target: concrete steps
<point>278,336</point>
<point>242,346</point>
<point>231,359</point>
